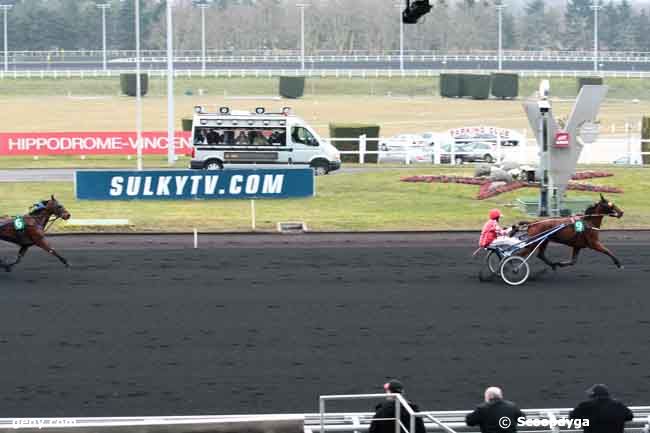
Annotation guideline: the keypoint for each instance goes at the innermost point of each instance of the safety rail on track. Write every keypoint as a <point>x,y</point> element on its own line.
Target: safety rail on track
<point>309,73</point>
<point>335,422</point>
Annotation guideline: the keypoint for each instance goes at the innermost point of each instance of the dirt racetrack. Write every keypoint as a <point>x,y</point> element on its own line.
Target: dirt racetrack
<point>260,324</point>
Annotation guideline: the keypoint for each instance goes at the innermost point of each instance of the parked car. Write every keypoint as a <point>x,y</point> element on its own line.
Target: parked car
<point>468,152</point>
<point>626,160</point>
<point>414,155</point>
<point>400,141</point>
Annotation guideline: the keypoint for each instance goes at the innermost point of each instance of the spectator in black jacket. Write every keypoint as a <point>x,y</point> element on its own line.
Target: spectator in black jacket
<point>496,415</point>
<point>605,414</point>
<point>384,418</point>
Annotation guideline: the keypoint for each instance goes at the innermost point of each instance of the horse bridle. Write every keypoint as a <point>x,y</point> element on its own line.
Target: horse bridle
<point>50,221</point>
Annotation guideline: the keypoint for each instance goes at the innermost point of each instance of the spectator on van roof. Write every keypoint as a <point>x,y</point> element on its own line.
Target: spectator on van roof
<point>213,137</point>
<point>259,139</point>
<point>242,138</point>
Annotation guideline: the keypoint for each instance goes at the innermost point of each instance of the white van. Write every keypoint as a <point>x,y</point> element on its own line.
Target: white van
<point>229,137</point>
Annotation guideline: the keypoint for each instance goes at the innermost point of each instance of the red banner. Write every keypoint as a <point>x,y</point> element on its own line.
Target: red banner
<point>90,143</point>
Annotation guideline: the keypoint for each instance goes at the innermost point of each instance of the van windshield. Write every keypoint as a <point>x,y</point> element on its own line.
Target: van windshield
<point>300,134</point>
<point>229,136</point>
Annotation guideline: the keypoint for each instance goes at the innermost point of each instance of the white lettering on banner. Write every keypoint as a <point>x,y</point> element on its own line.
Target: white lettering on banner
<point>133,185</point>
<point>195,184</point>
<point>211,184</point>
<point>116,186</point>
<point>163,185</point>
<point>252,184</point>
<point>273,184</point>
<point>147,186</point>
<point>180,184</point>
<point>235,184</point>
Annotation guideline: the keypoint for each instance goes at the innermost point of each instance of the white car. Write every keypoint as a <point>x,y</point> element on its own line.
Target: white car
<point>402,141</point>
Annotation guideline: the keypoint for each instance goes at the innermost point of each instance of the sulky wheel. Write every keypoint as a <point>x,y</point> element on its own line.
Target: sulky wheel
<point>515,270</point>
<point>493,261</point>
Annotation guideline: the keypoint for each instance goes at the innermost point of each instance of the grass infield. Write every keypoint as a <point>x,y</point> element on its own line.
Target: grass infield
<point>353,201</point>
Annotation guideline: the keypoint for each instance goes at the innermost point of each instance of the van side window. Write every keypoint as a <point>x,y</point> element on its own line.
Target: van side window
<point>302,135</point>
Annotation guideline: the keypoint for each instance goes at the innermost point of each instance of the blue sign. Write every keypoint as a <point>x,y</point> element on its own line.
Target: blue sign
<point>193,184</point>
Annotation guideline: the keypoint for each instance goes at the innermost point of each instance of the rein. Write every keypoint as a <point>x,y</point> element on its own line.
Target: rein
<point>50,222</point>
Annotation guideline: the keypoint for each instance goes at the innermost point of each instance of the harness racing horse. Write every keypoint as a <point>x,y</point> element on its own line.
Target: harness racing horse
<point>29,229</point>
<point>586,237</point>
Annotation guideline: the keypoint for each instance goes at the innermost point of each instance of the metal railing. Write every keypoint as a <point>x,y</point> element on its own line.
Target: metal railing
<point>309,73</point>
<point>349,55</point>
<point>340,422</point>
<point>448,421</point>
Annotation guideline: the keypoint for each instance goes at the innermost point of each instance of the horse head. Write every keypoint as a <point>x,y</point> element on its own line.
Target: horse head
<point>56,208</point>
<point>607,207</point>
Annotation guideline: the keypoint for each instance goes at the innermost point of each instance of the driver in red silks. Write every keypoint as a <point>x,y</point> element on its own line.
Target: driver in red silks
<point>492,233</point>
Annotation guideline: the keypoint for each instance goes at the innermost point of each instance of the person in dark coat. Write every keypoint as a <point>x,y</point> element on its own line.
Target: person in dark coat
<point>384,418</point>
<point>496,415</point>
<point>605,414</point>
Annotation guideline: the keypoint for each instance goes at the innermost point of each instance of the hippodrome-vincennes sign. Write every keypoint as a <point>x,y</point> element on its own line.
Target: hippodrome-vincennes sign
<point>192,184</point>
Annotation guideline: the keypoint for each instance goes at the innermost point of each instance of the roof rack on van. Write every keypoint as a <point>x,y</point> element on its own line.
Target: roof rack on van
<point>204,109</point>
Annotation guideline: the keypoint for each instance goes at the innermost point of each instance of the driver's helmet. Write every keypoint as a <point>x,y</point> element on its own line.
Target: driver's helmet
<point>494,214</point>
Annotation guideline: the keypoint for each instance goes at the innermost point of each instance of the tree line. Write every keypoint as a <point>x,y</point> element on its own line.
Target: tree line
<point>330,25</point>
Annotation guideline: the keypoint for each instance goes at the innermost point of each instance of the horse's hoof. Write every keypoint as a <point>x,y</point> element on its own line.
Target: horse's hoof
<point>7,268</point>
<point>621,267</point>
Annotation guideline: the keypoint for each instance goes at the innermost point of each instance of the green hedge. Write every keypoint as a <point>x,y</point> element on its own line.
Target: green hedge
<point>475,86</point>
<point>186,123</point>
<point>645,135</point>
<point>128,84</point>
<point>292,87</point>
<point>505,85</point>
<point>339,130</point>
<point>450,85</point>
<point>589,81</point>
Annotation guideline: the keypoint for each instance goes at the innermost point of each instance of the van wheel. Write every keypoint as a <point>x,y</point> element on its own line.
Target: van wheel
<point>458,160</point>
<point>213,165</point>
<point>320,168</point>
<point>488,158</point>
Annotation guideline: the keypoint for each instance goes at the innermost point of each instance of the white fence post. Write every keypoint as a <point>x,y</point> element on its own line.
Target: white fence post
<point>452,154</point>
<point>362,148</point>
<point>437,148</point>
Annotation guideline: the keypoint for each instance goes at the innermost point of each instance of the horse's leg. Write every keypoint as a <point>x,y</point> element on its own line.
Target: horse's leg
<point>598,246</point>
<point>574,258</point>
<point>45,245</point>
<point>541,253</point>
<point>19,257</point>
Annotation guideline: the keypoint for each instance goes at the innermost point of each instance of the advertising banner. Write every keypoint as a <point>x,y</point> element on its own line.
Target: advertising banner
<point>90,143</point>
<point>193,184</point>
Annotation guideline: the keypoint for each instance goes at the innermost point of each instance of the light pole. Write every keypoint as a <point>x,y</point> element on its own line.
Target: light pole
<point>302,7</point>
<point>499,5</point>
<point>138,95</point>
<point>5,9</point>
<point>103,7</point>
<point>401,37</point>
<point>595,6</point>
<point>171,150</point>
<point>203,5</point>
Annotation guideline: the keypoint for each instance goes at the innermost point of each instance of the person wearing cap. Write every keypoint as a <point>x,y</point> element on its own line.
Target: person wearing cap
<point>384,419</point>
<point>605,414</point>
<point>493,234</point>
<point>495,415</point>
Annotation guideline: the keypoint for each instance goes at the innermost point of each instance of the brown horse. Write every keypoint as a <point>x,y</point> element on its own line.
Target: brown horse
<point>29,229</point>
<point>587,238</point>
